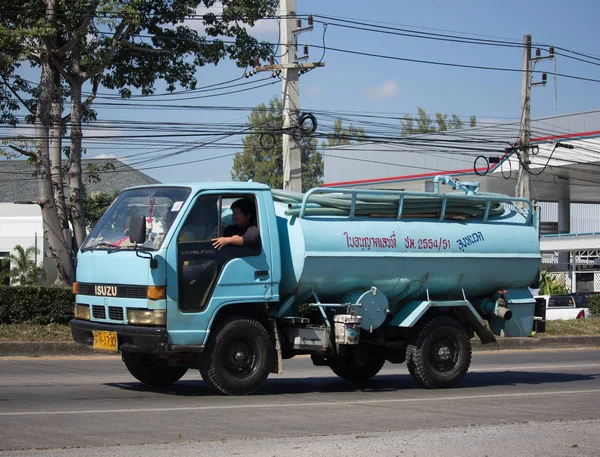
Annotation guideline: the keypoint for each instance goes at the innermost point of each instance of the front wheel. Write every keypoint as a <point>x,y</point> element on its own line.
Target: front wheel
<point>238,357</point>
<point>152,370</point>
<point>439,353</point>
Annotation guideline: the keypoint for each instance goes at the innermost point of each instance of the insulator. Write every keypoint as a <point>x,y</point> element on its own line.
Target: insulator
<point>544,77</point>
<point>306,51</point>
<point>272,60</point>
<point>551,50</point>
<point>299,23</point>
<point>310,20</point>
<point>256,62</point>
<point>538,53</point>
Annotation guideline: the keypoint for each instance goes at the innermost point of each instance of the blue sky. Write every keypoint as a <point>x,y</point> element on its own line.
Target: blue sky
<point>362,84</point>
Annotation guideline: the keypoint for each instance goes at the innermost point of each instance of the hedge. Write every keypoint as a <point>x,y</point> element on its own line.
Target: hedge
<point>593,302</point>
<point>37,305</point>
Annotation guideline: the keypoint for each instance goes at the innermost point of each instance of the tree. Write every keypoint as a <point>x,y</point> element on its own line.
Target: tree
<point>95,205</point>
<point>24,269</point>
<point>119,45</point>
<point>342,136</point>
<point>424,124</point>
<point>262,158</point>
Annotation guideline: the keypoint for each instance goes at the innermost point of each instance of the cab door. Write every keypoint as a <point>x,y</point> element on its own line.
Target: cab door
<point>206,278</point>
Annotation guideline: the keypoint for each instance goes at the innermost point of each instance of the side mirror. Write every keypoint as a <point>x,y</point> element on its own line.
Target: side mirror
<point>137,229</point>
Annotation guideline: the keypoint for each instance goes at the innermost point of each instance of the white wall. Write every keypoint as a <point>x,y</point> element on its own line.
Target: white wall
<point>22,225</point>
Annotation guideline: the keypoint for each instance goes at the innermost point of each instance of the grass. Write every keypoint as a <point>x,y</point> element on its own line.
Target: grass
<point>35,332</point>
<point>56,332</point>
<point>589,326</point>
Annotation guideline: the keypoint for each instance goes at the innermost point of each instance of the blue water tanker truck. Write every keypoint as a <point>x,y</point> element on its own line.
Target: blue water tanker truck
<point>351,277</point>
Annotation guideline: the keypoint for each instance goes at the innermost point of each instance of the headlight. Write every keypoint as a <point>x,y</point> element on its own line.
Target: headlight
<point>82,312</point>
<point>147,317</point>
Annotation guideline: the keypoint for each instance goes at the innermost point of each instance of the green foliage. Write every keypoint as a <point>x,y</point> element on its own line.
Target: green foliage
<point>262,158</point>
<point>550,285</point>
<point>424,124</point>
<point>38,305</point>
<point>24,269</point>
<point>343,135</point>
<point>96,205</point>
<point>593,302</point>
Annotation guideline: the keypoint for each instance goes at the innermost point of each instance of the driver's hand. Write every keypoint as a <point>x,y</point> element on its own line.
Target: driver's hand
<point>218,243</point>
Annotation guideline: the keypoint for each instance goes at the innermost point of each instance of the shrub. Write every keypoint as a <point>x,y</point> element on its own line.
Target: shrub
<point>593,302</point>
<point>34,304</point>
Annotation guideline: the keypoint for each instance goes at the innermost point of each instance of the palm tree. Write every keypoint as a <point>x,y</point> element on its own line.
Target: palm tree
<point>21,267</point>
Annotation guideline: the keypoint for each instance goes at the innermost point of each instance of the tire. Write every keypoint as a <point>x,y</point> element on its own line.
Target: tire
<point>238,357</point>
<point>439,353</point>
<point>152,370</point>
<point>350,371</point>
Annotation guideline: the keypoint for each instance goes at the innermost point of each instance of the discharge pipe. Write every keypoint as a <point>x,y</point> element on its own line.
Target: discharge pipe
<point>502,311</point>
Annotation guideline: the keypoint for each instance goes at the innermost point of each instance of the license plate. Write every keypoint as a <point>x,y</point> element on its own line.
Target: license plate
<point>105,341</point>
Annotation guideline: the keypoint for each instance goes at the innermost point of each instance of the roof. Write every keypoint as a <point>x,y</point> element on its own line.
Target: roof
<point>18,183</point>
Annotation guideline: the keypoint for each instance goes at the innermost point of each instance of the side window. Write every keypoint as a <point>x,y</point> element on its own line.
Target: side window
<point>239,217</point>
<point>202,223</point>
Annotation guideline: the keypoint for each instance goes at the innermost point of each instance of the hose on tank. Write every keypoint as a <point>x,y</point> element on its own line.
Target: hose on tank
<point>384,205</point>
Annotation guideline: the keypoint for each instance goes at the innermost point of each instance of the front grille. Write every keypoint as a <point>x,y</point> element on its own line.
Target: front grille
<point>122,291</point>
<point>115,313</point>
<point>98,312</point>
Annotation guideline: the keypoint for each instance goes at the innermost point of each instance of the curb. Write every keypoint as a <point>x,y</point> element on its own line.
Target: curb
<point>69,348</point>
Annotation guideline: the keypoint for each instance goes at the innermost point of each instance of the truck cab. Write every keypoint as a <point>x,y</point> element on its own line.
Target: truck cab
<point>163,295</point>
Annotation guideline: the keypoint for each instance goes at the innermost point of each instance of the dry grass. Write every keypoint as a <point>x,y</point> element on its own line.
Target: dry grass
<point>589,326</point>
<point>34,332</point>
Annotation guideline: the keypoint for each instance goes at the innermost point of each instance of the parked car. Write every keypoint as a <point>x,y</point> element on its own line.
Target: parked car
<point>563,307</point>
<point>581,298</point>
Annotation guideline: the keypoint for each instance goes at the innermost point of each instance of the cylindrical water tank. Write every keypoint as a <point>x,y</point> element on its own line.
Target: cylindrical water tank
<point>405,258</point>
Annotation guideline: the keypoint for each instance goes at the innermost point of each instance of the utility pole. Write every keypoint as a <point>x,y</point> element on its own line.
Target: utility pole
<point>523,184</point>
<point>290,93</point>
<point>290,68</point>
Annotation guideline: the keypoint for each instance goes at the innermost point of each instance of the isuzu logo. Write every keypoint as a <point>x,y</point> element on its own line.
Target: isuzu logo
<point>109,291</point>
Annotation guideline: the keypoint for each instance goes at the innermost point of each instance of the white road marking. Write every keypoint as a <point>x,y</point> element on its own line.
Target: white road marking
<point>304,405</point>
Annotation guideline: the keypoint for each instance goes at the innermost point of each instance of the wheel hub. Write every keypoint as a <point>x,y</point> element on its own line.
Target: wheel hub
<point>444,353</point>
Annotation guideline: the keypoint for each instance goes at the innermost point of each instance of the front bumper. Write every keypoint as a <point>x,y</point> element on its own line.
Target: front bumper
<point>148,340</point>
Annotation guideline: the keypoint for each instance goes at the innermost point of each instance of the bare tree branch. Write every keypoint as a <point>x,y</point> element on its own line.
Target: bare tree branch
<point>81,31</point>
<point>122,33</point>
<point>92,96</point>
<point>22,151</point>
<point>58,66</point>
<point>16,95</point>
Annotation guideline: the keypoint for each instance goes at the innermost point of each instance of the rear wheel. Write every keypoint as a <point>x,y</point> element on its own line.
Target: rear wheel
<point>238,357</point>
<point>152,370</point>
<point>439,353</point>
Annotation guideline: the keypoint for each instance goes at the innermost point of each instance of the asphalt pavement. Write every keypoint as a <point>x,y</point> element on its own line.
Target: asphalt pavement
<point>68,348</point>
<point>535,403</point>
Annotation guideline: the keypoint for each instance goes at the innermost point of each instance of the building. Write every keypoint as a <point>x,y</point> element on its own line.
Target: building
<point>565,160</point>
<point>21,219</point>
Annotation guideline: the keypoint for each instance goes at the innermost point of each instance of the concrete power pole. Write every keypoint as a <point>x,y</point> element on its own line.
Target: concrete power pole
<point>290,92</point>
<point>290,67</point>
<point>523,184</point>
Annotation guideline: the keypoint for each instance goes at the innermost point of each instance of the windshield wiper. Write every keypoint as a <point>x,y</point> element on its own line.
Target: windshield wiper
<point>102,244</point>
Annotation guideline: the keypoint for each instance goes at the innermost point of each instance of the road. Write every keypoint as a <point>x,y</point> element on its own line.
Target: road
<point>545,401</point>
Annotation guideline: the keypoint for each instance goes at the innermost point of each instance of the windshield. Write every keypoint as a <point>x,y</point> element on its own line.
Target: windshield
<point>159,205</point>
